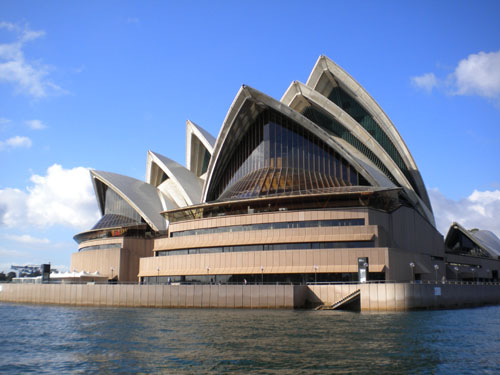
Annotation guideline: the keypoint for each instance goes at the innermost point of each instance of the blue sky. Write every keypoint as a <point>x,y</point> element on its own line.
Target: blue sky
<point>96,84</point>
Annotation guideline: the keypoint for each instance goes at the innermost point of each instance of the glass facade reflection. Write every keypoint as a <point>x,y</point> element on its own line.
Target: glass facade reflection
<point>113,221</point>
<point>270,247</point>
<point>278,156</point>
<point>334,127</point>
<point>342,99</point>
<point>278,278</point>
<point>114,204</point>
<point>267,226</point>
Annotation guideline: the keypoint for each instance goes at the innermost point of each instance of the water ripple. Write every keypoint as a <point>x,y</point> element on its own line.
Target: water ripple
<point>56,339</point>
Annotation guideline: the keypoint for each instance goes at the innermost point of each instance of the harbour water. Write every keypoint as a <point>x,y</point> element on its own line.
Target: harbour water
<point>60,339</point>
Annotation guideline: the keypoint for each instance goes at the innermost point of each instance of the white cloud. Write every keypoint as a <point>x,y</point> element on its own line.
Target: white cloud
<point>4,121</point>
<point>479,210</point>
<point>61,197</point>
<point>28,77</point>
<point>26,239</point>
<point>15,142</point>
<point>426,81</point>
<point>12,207</point>
<point>478,74</point>
<point>35,124</point>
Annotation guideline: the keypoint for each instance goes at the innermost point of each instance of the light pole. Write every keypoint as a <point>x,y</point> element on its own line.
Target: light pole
<point>473,270</point>
<point>456,272</point>
<point>436,268</point>
<point>262,274</point>
<point>315,274</point>
<point>112,270</point>
<point>208,272</point>
<point>158,277</point>
<point>412,266</point>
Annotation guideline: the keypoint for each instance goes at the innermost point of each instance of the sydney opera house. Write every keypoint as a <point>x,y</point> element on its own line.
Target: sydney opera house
<point>316,187</point>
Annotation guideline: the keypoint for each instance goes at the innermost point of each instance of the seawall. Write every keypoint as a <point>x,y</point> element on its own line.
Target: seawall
<point>373,297</point>
<point>408,296</point>
<point>209,296</point>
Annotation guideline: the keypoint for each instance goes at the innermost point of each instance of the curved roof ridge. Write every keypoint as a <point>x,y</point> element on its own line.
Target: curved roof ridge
<point>254,102</point>
<point>186,181</point>
<point>142,197</point>
<point>366,100</point>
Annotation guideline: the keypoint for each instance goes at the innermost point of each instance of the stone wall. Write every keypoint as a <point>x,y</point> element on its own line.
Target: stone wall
<point>407,296</point>
<point>374,297</point>
<point>215,296</point>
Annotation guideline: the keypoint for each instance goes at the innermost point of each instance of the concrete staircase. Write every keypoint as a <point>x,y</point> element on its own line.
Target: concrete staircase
<point>344,303</point>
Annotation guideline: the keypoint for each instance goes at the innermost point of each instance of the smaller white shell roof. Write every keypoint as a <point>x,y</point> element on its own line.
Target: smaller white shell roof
<point>485,239</point>
<point>489,240</point>
<point>141,196</point>
<point>204,136</point>
<point>186,181</point>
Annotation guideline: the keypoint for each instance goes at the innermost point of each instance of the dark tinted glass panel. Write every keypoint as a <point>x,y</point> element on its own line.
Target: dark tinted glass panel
<point>272,247</point>
<point>283,225</point>
<point>115,204</point>
<point>113,221</point>
<point>341,98</point>
<point>332,126</point>
<point>277,156</point>
<point>206,160</point>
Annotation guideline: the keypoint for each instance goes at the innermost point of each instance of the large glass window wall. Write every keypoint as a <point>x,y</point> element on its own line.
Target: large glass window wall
<point>332,126</point>
<point>114,204</point>
<point>270,247</point>
<point>341,98</point>
<point>266,226</point>
<point>278,156</point>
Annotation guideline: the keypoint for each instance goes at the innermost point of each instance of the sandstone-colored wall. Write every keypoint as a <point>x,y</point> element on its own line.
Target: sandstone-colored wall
<point>407,296</point>
<point>220,296</point>
<point>124,260</point>
<point>267,262</point>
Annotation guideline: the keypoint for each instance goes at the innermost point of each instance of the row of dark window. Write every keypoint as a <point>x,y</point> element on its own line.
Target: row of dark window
<point>269,247</point>
<point>101,247</point>
<point>266,226</point>
<point>289,278</point>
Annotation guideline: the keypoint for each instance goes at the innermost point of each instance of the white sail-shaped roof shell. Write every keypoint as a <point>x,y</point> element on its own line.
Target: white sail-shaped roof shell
<point>199,143</point>
<point>326,75</point>
<point>141,196</point>
<point>484,239</point>
<point>172,179</point>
